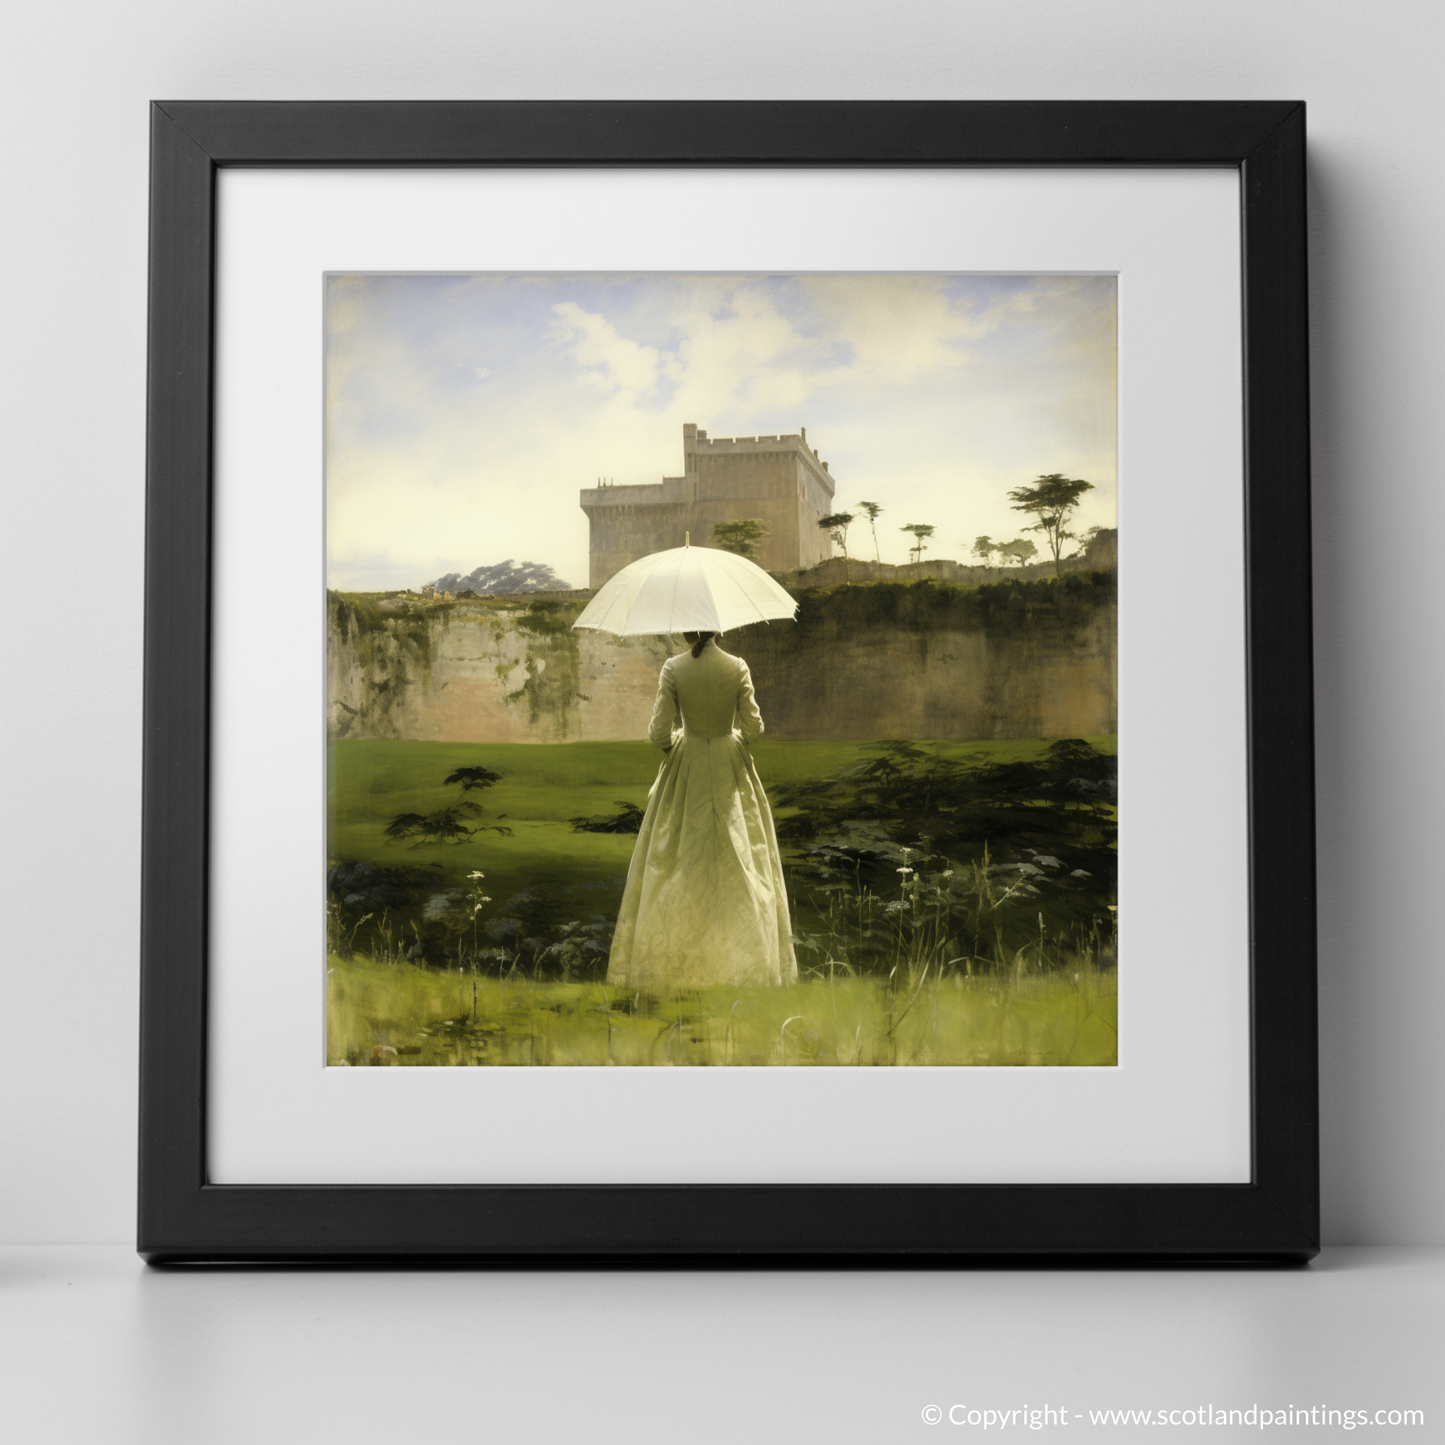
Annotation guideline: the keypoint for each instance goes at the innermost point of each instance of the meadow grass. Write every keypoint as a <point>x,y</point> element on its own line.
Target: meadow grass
<point>399,1014</point>
<point>543,786</point>
<point>382,1010</point>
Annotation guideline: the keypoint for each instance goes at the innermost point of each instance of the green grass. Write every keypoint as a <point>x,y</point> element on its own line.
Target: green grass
<point>403,1015</point>
<point>544,785</point>
<point>399,1013</point>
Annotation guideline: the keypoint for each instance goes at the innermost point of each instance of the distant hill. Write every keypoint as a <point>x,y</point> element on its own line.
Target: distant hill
<point>504,578</point>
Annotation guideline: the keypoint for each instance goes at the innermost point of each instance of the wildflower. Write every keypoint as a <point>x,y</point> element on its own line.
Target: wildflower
<point>949,873</point>
<point>476,875</point>
<point>903,870</point>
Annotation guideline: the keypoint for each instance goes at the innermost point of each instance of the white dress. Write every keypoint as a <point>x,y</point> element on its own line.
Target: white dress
<point>704,902</point>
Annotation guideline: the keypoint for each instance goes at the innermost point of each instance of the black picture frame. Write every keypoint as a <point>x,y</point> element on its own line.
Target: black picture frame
<point>183,1217</point>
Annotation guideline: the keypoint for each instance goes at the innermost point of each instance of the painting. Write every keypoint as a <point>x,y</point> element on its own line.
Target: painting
<point>565,1131</point>
<point>870,823</point>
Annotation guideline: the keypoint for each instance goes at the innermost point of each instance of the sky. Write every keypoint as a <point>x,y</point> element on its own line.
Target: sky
<point>464,413</point>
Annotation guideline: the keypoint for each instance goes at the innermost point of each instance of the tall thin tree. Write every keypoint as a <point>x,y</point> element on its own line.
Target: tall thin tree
<point>874,511</point>
<point>922,531</point>
<point>835,524</point>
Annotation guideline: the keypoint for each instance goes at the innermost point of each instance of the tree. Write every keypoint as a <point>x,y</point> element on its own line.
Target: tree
<point>1020,550</point>
<point>745,537</point>
<point>985,547</point>
<point>1052,500</point>
<point>471,778</point>
<point>835,524</point>
<point>628,820</point>
<point>921,533</point>
<point>874,512</point>
<point>443,826</point>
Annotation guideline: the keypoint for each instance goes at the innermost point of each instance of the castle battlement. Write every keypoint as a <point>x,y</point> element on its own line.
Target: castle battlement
<point>645,494</point>
<point>695,439</point>
<point>778,479</point>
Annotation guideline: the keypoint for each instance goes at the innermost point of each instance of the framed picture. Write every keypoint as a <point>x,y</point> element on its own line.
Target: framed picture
<point>728,680</point>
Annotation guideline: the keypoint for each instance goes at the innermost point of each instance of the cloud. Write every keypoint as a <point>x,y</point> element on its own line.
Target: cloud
<point>931,395</point>
<point>611,362</point>
<point>899,329</point>
<point>736,348</point>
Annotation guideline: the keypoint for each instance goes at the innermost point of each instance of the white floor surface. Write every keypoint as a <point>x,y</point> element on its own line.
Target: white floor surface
<point>95,1347</point>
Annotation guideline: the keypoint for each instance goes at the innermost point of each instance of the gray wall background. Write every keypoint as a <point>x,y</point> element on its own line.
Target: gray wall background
<point>75,79</point>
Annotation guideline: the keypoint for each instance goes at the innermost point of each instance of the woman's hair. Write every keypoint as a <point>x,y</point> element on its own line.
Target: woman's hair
<point>699,640</point>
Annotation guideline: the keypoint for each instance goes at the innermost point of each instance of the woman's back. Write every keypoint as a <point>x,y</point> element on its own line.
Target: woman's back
<point>712,693</point>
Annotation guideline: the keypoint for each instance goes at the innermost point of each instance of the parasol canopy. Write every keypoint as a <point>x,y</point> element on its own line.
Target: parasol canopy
<point>686,589</point>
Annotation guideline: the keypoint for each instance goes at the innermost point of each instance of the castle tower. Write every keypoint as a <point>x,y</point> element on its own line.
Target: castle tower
<point>778,479</point>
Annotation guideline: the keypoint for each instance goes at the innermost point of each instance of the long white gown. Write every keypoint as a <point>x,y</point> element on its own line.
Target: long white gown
<point>705,902</point>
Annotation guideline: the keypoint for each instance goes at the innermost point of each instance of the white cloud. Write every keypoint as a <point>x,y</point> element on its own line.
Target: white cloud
<point>726,363</point>
<point>611,362</point>
<point>931,396</point>
<point>900,329</point>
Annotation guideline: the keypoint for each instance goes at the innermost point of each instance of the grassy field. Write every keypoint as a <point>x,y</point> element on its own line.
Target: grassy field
<point>403,1015</point>
<point>542,786</point>
<point>498,1009</point>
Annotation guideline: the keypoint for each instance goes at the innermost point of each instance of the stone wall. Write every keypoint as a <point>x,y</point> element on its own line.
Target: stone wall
<point>925,660</point>
<point>780,480</point>
<point>496,670</point>
<point>928,661</point>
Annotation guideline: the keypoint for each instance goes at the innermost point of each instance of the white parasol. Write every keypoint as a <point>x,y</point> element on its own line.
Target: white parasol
<point>686,589</point>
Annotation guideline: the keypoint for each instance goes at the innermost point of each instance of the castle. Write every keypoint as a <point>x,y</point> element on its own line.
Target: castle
<point>778,479</point>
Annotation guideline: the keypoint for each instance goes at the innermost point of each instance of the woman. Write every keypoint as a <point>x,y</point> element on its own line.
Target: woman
<point>704,902</point>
